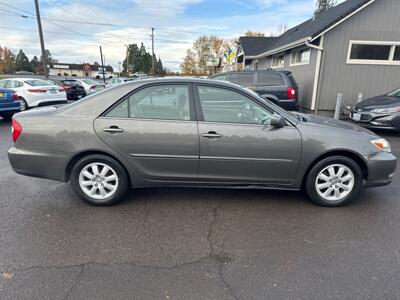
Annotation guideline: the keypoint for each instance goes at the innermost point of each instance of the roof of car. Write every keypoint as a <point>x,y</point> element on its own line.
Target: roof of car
<point>314,26</point>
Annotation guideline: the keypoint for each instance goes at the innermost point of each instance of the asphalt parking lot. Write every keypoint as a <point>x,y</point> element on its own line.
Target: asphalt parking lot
<point>195,243</point>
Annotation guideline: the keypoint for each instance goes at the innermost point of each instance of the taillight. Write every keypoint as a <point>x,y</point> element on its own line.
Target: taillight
<point>93,87</point>
<point>37,91</point>
<point>65,88</point>
<point>291,93</point>
<point>16,130</point>
<point>14,97</point>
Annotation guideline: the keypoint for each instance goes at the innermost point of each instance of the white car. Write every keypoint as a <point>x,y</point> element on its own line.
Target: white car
<point>115,81</point>
<point>90,85</point>
<point>35,92</point>
<point>99,75</point>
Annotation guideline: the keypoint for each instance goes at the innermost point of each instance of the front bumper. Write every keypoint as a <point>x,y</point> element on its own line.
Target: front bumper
<point>40,164</point>
<point>381,168</point>
<point>377,121</point>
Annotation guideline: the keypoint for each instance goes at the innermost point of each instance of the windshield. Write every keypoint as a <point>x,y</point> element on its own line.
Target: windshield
<point>37,83</point>
<point>395,93</point>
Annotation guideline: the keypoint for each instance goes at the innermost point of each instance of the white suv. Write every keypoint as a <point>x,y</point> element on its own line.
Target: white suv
<point>35,92</point>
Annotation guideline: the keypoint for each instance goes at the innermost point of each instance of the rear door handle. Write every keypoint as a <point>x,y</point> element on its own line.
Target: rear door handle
<point>113,129</point>
<point>211,135</point>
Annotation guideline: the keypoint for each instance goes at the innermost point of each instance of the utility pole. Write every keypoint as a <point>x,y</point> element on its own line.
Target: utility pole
<point>152,50</point>
<point>39,22</point>
<point>127,60</point>
<point>102,66</point>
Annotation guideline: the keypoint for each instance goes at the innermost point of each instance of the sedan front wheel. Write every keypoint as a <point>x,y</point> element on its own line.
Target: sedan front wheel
<point>334,181</point>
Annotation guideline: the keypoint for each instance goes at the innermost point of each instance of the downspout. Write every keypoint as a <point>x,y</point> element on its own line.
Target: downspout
<point>320,49</point>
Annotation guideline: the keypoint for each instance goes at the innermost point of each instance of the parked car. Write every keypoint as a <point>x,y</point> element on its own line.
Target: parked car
<point>22,72</point>
<point>90,85</point>
<point>279,87</point>
<point>115,81</point>
<point>99,75</point>
<point>381,112</point>
<point>192,132</point>
<point>35,92</point>
<point>72,87</point>
<point>9,103</point>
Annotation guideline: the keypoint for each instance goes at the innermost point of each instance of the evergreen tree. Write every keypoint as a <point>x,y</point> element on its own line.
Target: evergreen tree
<point>22,62</point>
<point>35,64</point>
<point>322,6</point>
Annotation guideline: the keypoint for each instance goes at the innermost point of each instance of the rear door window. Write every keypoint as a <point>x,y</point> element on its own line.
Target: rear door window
<point>269,79</point>
<point>12,84</point>
<point>163,102</point>
<point>242,78</point>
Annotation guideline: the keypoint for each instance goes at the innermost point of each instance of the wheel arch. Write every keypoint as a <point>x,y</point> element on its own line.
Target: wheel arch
<point>82,154</point>
<point>346,153</point>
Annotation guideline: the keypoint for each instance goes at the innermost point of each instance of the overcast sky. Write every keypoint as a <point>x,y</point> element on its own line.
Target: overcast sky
<point>177,23</point>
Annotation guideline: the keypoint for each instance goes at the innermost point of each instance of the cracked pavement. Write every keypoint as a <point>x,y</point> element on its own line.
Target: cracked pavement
<point>194,243</point>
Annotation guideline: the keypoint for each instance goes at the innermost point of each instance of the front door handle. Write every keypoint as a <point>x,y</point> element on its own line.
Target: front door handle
<point>211,135</point>
<point>113,129</point>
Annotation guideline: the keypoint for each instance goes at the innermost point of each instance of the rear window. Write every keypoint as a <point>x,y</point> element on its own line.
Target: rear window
<point>269,79</point>
<point>292,80</point>
<point>244,79</point>
<point>70,82</point>
<point>37,83</point>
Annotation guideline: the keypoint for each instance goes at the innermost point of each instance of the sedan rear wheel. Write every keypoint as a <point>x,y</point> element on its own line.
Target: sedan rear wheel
<point>99,180</point>
<point>334,181</point>
<point>23,104</point>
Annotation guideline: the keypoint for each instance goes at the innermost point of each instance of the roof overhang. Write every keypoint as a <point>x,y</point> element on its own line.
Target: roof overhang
<point>342,20</point>
<point>281,49</point>
<point>309,39</point>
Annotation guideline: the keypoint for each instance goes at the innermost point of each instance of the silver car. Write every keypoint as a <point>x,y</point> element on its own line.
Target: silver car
<point>192,132</point>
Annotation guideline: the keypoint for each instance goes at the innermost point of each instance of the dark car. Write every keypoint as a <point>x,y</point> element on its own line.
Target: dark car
<point>381,112</point>
<point>191,132</point>
<point>72,88</point>
<point>279,87</point>
<point>9,103</point>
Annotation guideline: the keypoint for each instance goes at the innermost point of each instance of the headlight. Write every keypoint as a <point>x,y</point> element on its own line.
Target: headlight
<point>389,110</point>
<point>382,144</point>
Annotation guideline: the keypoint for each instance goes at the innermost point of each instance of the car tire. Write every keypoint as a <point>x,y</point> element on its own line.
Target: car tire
<point>105,189</point>
<point>97,77</point>
<point>23,104</point>
<point>334,181</point>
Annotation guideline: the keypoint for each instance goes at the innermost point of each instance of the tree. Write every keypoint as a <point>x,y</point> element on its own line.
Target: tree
<point>249,33</point>
<point>189,65</point>
<point>7,61</point>
<point>206,48</point>
<point>322,6</point>
<point>35,64</point>
<point>22,62</point>
<point>141,60</point>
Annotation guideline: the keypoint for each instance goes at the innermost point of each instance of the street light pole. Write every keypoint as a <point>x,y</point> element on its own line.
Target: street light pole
<point>39,22</point>
<point>127,60</point>
<point>152,50</point>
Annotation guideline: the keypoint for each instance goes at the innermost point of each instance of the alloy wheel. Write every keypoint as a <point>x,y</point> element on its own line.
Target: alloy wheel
<point>335,182</point>
<point>98,181</point>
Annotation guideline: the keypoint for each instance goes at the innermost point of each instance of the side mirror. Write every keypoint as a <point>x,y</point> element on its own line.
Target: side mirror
<point>278,121</point>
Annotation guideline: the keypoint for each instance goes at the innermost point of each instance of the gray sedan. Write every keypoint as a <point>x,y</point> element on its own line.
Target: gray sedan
<point>191,132</point>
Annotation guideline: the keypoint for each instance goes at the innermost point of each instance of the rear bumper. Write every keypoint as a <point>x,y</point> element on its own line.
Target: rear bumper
<point>9,107</point>
<point>39,164</point>
<point>381,169</point>
<point>289,104</point>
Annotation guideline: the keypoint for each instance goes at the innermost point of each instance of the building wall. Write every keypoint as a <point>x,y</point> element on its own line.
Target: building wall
<point>378,22</point>
<point>303,74</point>
<point>55,72</point>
